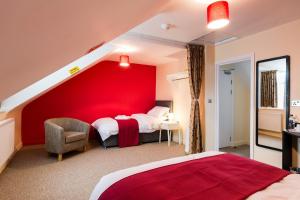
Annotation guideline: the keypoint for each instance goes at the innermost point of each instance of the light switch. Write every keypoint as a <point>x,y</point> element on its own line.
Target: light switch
<point>295,103</point>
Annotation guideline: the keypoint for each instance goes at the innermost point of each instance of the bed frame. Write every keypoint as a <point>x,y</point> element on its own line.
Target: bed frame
<point>112,141</point>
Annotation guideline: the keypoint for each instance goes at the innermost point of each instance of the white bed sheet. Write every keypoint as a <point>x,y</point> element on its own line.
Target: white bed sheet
<point>147,123</point>
<point>108,126</point>
<point>286,189</point>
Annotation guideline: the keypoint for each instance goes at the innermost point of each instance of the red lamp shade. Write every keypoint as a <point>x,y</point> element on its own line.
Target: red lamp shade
<point>124,61</point>
<point>217,15</point>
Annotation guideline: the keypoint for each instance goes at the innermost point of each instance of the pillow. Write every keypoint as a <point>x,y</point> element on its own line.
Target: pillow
<point>122,117</point>
<point>159,112</point>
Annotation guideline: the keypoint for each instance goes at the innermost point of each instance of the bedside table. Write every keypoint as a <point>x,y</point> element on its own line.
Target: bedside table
<point>170,126</point>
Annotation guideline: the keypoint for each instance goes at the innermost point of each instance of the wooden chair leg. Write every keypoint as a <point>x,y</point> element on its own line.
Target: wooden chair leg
<point>84,148</point>
<point>59,158</point>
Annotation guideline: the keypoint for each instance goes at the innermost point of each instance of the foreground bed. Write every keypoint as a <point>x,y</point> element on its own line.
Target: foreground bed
<point>238,178</point>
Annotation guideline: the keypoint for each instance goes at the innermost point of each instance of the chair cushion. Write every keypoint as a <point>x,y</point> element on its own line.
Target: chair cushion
<point>74,136</point>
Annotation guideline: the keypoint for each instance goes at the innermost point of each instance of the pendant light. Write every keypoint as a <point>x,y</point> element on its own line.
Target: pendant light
<point>124,61</point>
<point>217,15</point>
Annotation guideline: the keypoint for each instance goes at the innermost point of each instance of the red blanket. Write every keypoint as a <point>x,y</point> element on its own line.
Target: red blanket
<point>225,177</point>
<point>128,133</point>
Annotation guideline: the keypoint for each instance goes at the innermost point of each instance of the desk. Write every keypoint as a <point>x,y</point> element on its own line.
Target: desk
<point>287,145</point>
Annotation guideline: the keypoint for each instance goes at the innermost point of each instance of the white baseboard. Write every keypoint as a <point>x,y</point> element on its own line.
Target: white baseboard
<point>17,148</point>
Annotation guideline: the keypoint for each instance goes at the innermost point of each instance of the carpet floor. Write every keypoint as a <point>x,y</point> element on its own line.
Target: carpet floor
<point>33,175</point>
<point>243,150</point>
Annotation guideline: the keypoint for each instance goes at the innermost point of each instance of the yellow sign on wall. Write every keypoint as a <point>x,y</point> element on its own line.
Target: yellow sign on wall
<point>74,70</point>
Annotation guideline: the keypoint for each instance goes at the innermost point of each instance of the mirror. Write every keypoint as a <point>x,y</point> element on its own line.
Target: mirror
<point>272,101</point>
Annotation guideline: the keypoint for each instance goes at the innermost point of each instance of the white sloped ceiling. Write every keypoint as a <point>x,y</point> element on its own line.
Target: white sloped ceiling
<point>38,37</point>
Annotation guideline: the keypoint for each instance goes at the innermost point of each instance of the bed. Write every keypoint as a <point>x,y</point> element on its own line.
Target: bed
<point>145,136</point>
<point>258,181</point>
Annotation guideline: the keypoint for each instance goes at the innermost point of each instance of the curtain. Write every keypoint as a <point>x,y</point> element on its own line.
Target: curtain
<point>196,63</point>
<point>268,96</point>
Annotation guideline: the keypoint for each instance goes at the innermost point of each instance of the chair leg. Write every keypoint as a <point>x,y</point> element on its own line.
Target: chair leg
<point>59,158</point>
<point>84,148</point>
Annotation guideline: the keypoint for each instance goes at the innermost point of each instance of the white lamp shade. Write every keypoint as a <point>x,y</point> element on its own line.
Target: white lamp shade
<point>124,61</point>
<point>171,116</point>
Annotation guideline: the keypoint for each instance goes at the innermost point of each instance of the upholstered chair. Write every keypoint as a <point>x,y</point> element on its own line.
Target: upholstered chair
<point>65,134</point>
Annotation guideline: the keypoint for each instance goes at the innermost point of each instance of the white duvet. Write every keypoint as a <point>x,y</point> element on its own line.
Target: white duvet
<point>286,189</point>
<point>108,126</point>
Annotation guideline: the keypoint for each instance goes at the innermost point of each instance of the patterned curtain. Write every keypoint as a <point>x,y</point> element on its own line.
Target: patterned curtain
<point>268,96</point>
<point>196,73</point>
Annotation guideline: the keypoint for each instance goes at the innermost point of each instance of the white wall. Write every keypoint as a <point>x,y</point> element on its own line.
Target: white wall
<point>210,106</point>
<point>182,106</point>
<point>178,91</point>
<point>279,41</point>
<point>7,141</point>
<point>241,102</point>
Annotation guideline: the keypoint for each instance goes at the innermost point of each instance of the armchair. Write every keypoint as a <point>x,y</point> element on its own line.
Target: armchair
<point>65,134</point>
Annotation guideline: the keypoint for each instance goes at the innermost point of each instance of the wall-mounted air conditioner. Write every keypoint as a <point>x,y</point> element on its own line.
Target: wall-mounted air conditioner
<point>178,76</point>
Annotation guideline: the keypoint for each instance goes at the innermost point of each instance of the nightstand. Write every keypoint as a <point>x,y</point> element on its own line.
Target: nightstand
<point>170,126</point>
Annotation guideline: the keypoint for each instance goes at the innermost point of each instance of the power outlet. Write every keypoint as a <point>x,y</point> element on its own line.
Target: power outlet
<point>295,103</point>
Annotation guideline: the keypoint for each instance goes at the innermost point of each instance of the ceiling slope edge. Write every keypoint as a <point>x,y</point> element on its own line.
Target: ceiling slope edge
<point>55,78</point>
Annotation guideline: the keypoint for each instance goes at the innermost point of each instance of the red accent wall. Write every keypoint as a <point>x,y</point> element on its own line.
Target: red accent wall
<point>104,90</point>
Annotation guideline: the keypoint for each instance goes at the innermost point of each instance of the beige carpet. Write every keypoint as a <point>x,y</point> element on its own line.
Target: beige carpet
<point>32,174</point>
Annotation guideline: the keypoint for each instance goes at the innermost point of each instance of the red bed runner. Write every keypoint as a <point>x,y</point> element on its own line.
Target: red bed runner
<point>224,176</point>
<point>128,133</point>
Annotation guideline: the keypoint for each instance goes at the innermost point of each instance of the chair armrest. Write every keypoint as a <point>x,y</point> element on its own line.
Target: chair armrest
<point>81,126</point>
<point>85,127</point>
<point>54,134</point>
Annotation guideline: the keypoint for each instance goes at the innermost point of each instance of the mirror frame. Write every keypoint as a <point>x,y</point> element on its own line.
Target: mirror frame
<point>287,96</point>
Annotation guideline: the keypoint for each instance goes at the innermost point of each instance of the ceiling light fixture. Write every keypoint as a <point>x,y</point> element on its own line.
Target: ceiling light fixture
<point>124,61</point>
<point>217,15</point>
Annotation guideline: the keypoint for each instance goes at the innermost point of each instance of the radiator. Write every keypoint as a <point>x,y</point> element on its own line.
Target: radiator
<point>270,120</point>
<point>7,141</point>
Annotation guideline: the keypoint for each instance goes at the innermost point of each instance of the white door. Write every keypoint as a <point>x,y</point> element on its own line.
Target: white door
<point>225,108</point>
